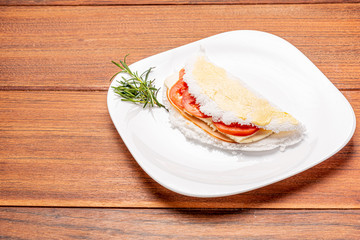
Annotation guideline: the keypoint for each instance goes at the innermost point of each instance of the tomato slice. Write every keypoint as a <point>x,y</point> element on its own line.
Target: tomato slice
<point>181,97</point>
<point>190,105</point>
<point>181,73</point>
<point>236,129</point>
<point>177,91</point>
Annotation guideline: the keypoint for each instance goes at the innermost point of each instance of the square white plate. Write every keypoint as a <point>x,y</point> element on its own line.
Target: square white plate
<point>279,72</point>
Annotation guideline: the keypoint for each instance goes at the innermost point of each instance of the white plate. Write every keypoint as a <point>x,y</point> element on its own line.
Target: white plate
<point>281,73</point>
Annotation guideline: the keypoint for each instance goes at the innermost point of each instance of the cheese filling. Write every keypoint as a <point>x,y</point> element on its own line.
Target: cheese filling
<point>207,125</point>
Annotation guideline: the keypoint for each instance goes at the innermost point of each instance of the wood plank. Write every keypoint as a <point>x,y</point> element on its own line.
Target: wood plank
<point>61,149</point>
<point>154,2</point>
<point>71,47</point>
<point>63,223</point>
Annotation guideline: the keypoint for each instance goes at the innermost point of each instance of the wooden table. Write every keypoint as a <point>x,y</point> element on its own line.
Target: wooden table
<point>65,172</point>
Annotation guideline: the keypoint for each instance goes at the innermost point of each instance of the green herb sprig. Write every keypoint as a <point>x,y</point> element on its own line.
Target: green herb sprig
<point>138,88</point>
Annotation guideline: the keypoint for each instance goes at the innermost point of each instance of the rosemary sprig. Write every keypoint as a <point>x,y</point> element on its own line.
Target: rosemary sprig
<point>138,88</point>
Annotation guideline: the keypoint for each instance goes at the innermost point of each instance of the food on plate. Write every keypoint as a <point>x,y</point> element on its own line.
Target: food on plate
<point>210,105</point>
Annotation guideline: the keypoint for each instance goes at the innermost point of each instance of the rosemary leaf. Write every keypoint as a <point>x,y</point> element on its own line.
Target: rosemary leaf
<point>136,89</point>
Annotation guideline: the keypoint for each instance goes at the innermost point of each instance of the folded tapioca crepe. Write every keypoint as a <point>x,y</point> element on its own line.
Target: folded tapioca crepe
<point>210,105</point>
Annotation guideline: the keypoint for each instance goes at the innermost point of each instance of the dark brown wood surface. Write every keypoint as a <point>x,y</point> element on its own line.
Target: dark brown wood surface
<point>65,173</point>
<point>71,47</point>
<point>60,148</point>
<point>156,2</point>
<point>69,223</point>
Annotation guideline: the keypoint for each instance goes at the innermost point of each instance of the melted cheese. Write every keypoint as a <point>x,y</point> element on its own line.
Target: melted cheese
<point>230,95</point>
<point>260,134</point>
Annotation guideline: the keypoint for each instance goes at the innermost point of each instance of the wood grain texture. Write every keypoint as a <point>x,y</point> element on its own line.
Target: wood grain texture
<point>154,2</point>
<point>61,149</point>
<point>71,47</point>
<point>62,223</point>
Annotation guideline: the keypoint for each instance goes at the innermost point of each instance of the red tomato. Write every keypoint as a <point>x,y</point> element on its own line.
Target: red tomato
<point>178,89</point>
<point>180,96</point>
<point>191,106</point>
<point>236,129</point>
<point>176,93</point>
<point>181,73</point>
